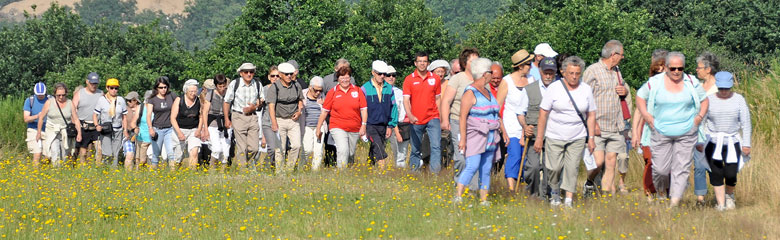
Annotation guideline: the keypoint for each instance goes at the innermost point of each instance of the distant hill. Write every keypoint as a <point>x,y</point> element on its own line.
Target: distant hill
<point>15,10</point>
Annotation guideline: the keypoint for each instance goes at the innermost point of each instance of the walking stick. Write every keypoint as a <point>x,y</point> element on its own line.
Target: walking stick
<point>522,158</point>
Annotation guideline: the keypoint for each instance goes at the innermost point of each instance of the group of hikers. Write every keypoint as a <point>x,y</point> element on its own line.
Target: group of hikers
<point>538,122</point>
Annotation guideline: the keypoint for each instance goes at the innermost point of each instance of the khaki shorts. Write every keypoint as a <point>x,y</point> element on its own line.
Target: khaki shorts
<point>612,142</point>
<point>32,145</point>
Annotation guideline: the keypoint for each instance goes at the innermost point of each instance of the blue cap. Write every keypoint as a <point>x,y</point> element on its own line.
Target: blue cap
<point>724,80</point>
<point>40,89</point>
<point>93,77</point>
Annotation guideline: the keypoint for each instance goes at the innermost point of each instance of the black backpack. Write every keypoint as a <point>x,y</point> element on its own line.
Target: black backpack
<point>235,88</point>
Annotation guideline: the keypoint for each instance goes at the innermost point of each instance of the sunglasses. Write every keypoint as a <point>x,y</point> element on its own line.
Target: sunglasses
<point>288,74</point>
<point>59,95</point>
<point>247,71</point>
<point>162,87</point>
<point>112,88</point>
<point>274,75</point>
<point>381,74</point>
<point>390,74</point>
<point>317,90</point>
<point>674,69</point>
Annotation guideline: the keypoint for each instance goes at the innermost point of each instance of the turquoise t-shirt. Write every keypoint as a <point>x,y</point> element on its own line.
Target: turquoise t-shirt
<point>674,112</point>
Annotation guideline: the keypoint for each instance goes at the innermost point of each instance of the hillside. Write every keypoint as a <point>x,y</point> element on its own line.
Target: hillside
<point>15,10</point>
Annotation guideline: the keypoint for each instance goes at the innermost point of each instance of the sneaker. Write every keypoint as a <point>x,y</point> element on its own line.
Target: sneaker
<point>589,189</point>
<point>730,202</point>
<point>484,203</point>
<point>457,200</point>
<point>720,208</point>
<point>568,203</point>
<point>555,199</point>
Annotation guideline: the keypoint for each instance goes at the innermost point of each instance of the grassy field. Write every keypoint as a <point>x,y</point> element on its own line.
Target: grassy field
<point>364,202</point>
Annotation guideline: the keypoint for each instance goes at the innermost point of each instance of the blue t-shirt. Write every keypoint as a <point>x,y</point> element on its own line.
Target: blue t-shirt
<point>674,112</point>
<point>535,72</point>
<point>34,108</point>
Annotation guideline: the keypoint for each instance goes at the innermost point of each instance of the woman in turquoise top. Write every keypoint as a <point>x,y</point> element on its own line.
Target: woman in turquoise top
<point>480,108</point>
<point>143,139</point>
<point>673,105</point>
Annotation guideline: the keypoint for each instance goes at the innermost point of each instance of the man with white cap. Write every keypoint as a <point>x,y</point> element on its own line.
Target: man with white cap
<point>285,103</point>
<point>312,108</point>
<point>245,96</point>
<point>84,101</point>
<point>541,51</point>
<point>382,111</point>
<point>32,106</point>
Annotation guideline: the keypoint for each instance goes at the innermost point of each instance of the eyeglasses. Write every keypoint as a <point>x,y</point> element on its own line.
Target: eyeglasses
<point>59,95</point>
<point>274,75</point>
<point>112,88</point>
<point>248,71</point>
<point>674,69</point>
<point>621,54</point>
<point>162,87</point>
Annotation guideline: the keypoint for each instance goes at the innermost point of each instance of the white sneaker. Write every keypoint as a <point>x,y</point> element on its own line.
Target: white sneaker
<point>568,204</point>
<point>484,203</point>
<point>457,200</point>
<point>730,202</point>
<point>555,202</point>
<point>720,208</point>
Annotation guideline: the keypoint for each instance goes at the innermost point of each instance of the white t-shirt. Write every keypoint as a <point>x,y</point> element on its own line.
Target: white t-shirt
<point>516,103</point>
<point>563,122</point>
<point>399,102</point>
<point>103,108</point>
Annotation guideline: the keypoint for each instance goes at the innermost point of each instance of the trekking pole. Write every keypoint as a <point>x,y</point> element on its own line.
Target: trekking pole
<point>522,159</point>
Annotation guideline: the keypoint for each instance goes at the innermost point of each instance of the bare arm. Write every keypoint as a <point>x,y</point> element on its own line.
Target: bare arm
<point>641,104</point>
<point>408,108</point>
<point>466,102</point>
<point>541,126</point>
<point>44,111</point>
<point>591,124</point>
<point>503,90</point>
<point>174,114</point>
<point>446,103</point>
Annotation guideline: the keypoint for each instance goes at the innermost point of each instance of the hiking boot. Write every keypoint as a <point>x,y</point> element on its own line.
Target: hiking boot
<point>555,199</point>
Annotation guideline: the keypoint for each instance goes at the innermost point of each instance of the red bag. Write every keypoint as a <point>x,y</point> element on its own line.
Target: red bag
<point>623,103</point>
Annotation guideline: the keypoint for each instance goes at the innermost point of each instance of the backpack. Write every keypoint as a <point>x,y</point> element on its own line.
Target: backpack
<point>32,98</point>
<point>235,88</point>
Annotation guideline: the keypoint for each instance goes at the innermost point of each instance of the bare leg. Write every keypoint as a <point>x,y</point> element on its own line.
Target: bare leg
<point>512,184</point>
<point>607,179</point>
<point>720,195</point>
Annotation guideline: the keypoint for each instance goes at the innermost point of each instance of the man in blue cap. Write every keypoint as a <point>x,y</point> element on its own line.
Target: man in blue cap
<point>33,106</point>
<point>84,101</point>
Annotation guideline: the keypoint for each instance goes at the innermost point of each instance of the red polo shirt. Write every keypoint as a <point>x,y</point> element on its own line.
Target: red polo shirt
<point>422,91</point>
<point>494,90</point>
<point>344,108</point>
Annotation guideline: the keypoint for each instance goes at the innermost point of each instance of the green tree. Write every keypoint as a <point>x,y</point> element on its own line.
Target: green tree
<point>203,20</point>
<point>457,14</point>
<point>93,11</point>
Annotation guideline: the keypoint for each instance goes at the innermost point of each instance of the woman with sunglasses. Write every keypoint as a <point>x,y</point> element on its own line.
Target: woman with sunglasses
<point>109,115</point>
<point>59,112</point>
<point>271,139</point>
<point>312,108</point>
<point>673,105</point>
<point>160,130</point>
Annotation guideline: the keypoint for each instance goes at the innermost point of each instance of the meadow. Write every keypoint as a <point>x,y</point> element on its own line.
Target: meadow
<point>94,202</point>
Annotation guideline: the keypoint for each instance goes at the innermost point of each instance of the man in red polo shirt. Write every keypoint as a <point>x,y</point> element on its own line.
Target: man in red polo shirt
<point>421,96</point>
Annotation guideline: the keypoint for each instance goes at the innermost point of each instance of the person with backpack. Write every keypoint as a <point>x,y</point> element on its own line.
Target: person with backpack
<point>239,111</point>
<point>217,134</point>
<point>84,101</point>
<point>109,116</point>
<point>32,107</point>
<point>285,103</point>
<point>62,123</point>
<point>567,116</point>
<point>186,114</point>
<point>673,105</point>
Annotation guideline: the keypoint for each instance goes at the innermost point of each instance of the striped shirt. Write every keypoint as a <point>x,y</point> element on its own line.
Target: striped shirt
<point>728,116</point>
<point>487,110</point>
<point>603,80</point>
